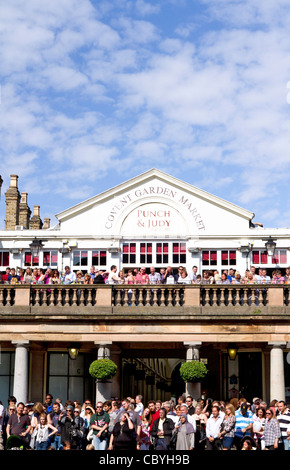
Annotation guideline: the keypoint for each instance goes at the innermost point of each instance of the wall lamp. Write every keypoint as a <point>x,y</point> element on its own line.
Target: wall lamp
<point>73,350</point>
<point>232,351</point>
<point>35,246</point>
<point>270,245</point>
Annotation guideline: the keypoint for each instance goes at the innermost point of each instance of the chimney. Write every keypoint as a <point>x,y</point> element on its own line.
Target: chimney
<point>35,221</point>
<point>24,211</point>
<point>12,204</point>
<point>46,223</point>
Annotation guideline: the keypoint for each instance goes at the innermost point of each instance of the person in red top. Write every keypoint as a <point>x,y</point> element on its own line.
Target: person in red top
<point>142,277</point>
<point>154,412</point>
<point>5,276</point>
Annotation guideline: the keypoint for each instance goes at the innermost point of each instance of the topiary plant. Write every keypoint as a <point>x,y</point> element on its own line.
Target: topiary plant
<point>103,369</point>
<point>193,371</point>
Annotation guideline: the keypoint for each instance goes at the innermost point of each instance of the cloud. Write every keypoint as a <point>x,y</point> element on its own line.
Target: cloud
<point>92,88</point>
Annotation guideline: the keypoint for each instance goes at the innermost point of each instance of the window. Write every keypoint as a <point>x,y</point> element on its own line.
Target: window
<point>179,253</point>
<point>30,260</point>
<point>50,258</point>
<point>162,253</point>
<point>279,257</point>
<point>229,258</point>
<point>209,258</point>
<point>129,253</point>
<point>146,253</point>
<point>67,377</point>
<point>259,257</point>
<point>6,373</point>
<point>99,258</point>
<point>4,258</point>
<point>80,258</point>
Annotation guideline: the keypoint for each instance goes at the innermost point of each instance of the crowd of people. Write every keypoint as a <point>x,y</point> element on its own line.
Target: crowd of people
<point>185,425</point>
<point>143,276</point>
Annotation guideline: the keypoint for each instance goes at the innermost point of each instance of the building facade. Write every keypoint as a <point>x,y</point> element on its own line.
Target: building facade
<point>153,220</point>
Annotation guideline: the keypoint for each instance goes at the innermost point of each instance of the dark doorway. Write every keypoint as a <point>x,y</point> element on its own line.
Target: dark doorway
<point>250,375</point>
<point>177,384</point>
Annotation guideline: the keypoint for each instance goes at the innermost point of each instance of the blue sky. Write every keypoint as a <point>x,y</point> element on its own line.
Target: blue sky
<point>96,92</point>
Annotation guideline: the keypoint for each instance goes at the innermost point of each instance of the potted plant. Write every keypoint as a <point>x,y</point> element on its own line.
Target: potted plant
<point>103,369</point>
<point>193,371</point>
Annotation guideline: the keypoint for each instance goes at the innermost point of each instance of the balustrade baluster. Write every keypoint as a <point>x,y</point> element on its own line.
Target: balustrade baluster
<point>90,297</point>
<point>207,296</point>
<point>214,297</point>
<point>261,299</point>
<point>37,297</point>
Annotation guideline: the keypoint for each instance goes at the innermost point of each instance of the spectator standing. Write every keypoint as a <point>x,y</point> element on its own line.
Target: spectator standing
<point>42,432</point>
<point>258,425</point>
<point>139,408</point>
<point>53,419</point>
<point>100,423</point>
<point>69,276</point>
<point>144,439</point>
<point>213,441</point>
<point>272,431</point>
<point>227,430</point>
<point>153,410</point>
<point>161,431</point>
<point>185,434</point>
<point>19,425</point>
<point>48,403</point>
<point>2,413</point>
<point>283,417</point>
<point>244,424</point>
<point>123,436</point>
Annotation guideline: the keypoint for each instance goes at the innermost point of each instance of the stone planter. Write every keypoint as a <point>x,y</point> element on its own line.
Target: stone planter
<point>193,389</point>
<point>103,390</point>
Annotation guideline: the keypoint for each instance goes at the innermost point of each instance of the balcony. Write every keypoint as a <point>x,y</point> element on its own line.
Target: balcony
<point>138,301</point>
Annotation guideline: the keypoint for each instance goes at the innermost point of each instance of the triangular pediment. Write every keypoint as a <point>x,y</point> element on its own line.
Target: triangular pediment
<point>145,177</point>
<point>176,208</point>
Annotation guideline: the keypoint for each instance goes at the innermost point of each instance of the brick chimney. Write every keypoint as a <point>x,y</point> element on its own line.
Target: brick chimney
<point>24,211</point>
<point>35,221</point>
<point>12,204</point>
<point>46,223</point>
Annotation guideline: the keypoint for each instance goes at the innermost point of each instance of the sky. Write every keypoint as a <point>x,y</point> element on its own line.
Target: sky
<point>94,93</point>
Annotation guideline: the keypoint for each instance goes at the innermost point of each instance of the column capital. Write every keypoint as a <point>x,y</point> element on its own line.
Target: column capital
<point>23,342</point>
<point>277,344</point>
<point>103,343</point>
<point>193,344</point>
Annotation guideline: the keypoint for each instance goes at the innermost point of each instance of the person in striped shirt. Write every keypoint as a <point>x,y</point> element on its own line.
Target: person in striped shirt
<point>244,424</point>
<point>283,417</point>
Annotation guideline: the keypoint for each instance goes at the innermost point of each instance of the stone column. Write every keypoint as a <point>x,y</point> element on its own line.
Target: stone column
<point>277,376</point>
<point>192,354</point>
<point>21,371</point>
<point>103,389</point>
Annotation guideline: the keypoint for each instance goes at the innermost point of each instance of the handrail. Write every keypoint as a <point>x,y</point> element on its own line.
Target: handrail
<point>126,295</point>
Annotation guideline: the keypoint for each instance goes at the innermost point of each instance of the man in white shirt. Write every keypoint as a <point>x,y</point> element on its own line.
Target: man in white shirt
<point>69,276</point>
<point>113,277</point>
<point>139,408</point>
<point>213,425</point>
<point>192,275</point>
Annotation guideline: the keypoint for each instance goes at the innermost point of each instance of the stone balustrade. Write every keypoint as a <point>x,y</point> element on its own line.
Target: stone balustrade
<point>150,296</point>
